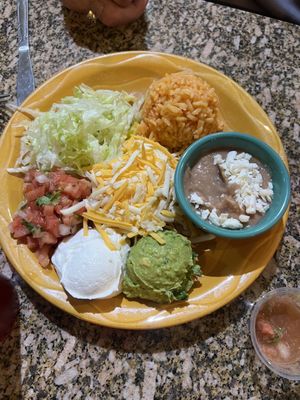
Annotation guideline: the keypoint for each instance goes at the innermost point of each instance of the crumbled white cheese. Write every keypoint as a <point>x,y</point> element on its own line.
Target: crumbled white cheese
<point>205,214</point>
<point>249,194</point>
<point>196,199</point>
<point>222,220</point>
<point>213,217</point>
<point>218,159</point>
<point>244,218</point>
<point>232,223</point>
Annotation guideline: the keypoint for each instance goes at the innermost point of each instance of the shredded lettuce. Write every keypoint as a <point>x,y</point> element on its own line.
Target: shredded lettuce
<point>83,129</point>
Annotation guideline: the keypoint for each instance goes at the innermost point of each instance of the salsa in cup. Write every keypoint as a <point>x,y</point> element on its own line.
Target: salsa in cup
<point>275,331</point>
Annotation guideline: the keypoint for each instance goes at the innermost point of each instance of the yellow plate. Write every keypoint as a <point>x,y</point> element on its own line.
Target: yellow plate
<point>229,266</point>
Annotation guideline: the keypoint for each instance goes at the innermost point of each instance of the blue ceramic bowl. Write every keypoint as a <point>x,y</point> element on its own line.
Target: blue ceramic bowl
<point>258,149</point>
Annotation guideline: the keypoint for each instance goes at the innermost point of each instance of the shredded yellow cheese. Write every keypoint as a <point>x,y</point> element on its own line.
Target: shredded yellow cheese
<point>151,165</point>
<point>106,221</point>
<point>168,213</point>
<point>85,227</point>
<point>132,234</point>
<point>136,191</point>
<point>162,174</point>
<point>158,238</point>
<point>118,194</point>
<point>105,237</point>
<point>144,153</point>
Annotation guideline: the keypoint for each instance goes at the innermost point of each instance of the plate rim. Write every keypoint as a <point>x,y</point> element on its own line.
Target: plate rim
<point>144,324</point>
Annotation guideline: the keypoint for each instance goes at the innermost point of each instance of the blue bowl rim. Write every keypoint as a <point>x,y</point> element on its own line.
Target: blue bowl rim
<point>187,208</point>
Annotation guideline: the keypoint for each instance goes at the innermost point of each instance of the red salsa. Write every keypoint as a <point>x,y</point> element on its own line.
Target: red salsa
<point>278,329</point>
<point>39,222</point>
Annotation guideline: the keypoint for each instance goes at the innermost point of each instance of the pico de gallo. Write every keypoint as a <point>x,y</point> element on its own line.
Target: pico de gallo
<point>39,222</point>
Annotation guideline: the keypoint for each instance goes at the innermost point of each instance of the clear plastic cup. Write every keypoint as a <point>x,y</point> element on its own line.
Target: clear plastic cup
<point>289,370</point>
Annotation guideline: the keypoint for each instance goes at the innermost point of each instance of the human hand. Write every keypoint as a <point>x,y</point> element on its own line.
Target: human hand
<point>110,12</point>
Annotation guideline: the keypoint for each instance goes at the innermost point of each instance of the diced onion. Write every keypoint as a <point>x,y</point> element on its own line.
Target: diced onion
<point>42,178</point>
<point>73,209</point>
<point>21,214</point>
<point>64,230</point>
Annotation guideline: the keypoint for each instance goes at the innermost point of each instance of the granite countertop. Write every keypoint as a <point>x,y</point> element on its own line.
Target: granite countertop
<point>51,355</point>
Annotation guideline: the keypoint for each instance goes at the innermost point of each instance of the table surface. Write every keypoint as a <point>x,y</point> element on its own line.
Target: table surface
<point>51,355</point>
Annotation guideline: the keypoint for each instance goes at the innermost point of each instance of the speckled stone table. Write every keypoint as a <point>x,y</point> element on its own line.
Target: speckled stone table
<point>51,355</point>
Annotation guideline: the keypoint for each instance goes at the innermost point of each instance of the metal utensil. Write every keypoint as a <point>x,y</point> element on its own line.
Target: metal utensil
<point>25,80</point>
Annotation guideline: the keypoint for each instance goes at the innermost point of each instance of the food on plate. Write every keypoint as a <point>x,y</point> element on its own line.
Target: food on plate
<point>162,273</point>
<point>87,268</point>
<point>230,189</point>
<point>135,192</point>
<point>93,187</point>
<point>179,109</point>
<point>39,222</point>
<point>81,130</point>
<point>277,329</point>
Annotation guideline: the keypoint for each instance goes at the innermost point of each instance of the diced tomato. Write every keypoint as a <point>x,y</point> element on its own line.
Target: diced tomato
<point>52,187</point>
<point>85,187</point>
<point>32,206</point>
<point>28,187</point>
<point>32,243</point>
<point>30,175</point>
<point>265,328</point>
<point>22,240</point>
<point>65,201</point>
<point>46,186</point>
<point>48,218</point>
<point>58,207</point>
<point>71,220</point>
<point>60,178</point>
<point>15,223</point>
<point>20,232</point>
<point>47,238</point>
<point>48,210</point>
<point>35,217</point>
<point>52,225</point>
<point>35,193</point>
<point>17,228</point>
<point>80,211</point>
<point>72,190</point>
<point>43,255</point>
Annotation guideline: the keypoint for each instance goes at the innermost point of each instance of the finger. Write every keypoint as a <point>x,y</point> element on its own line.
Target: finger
<point>123,3</point>
<point>110,14</point>
<point>82,6</point>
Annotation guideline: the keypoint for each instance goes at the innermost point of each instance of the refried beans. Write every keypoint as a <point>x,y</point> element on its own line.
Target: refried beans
<point>229,188</point>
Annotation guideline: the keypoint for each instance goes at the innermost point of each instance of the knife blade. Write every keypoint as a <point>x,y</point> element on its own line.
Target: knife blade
<point>25,79</point>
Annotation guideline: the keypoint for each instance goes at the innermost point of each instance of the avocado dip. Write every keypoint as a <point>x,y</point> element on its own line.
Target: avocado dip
<point>161,273</point>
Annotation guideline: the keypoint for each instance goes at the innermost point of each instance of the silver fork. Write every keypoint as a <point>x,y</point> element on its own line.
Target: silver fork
<point>25,79</point>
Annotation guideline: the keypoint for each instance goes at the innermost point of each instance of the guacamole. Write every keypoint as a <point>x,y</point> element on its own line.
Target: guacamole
<point>161,273</point>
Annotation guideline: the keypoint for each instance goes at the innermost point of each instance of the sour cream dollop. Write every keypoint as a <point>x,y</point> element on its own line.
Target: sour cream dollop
<point>87,268</point>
